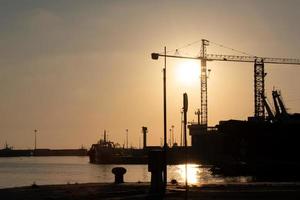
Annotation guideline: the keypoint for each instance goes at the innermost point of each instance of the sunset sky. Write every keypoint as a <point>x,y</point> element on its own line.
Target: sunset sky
<point>71,69</point>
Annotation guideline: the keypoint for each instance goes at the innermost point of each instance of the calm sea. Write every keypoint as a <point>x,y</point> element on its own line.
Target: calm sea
<point>24,171</point>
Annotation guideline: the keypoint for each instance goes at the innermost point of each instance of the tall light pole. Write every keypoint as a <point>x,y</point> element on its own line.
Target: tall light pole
<point>170,139</point>
<point>155,57</point>
<point>173,138</point>
<point>127,138</point>
<point>181,125</point>
<point>165,118</point>
<point>35,131</point>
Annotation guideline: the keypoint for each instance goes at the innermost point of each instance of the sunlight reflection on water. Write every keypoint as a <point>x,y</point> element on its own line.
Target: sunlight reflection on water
<point>198,175</point>
<point>178,172</point>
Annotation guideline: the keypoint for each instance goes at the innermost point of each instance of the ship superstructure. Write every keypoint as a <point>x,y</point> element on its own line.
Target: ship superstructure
<point>257,143</point>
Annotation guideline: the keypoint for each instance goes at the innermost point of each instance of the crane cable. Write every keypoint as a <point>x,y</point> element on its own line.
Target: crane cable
<point>232,49</point>
<point>183,47</point>
<point>215,43</point>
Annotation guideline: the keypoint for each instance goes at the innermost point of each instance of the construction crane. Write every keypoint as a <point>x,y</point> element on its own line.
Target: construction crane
<point>259,75</point>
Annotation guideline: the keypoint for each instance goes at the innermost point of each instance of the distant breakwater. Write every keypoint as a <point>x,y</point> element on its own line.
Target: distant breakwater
<point>42,152</point>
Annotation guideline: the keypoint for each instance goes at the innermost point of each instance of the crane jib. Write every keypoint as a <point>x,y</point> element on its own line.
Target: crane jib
<point>259,74</point>
<point>234,58</point>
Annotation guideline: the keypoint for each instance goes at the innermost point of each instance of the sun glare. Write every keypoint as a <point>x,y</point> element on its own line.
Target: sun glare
<point>188,72</point>
<point>192,173</point>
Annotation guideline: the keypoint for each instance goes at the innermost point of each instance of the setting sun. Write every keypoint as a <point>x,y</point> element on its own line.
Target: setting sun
<point>188,72</point>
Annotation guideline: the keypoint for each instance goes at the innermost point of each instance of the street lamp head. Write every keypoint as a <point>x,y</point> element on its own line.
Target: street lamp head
<point>154,56</point>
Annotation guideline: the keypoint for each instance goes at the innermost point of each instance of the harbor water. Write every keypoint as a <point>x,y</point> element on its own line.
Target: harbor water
<point>24,171</point>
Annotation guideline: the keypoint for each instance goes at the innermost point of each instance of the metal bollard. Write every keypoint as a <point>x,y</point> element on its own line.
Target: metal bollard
<point>155,166</point>
<point>119,174</point>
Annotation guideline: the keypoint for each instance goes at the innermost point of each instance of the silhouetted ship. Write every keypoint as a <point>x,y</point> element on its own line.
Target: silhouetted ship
<point>265,147</point>
<point>107,152</point>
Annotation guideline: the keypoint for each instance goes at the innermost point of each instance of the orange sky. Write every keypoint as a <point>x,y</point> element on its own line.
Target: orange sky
<point>73,68</point>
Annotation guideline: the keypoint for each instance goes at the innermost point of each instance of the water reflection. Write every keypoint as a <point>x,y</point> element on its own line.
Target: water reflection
<point>199,175</point>
<point>24,171</point>
<point>192,173</point>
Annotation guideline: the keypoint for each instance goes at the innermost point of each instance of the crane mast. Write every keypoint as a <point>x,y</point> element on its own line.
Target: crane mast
<point>259,75</point>
<point>203,108</point>
<point>259,89</point>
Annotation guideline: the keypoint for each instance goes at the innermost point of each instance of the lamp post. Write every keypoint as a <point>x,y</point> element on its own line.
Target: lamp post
<point>173,137</point>
<point>35,131</point>
<point>165,118</point>
<point>127,138</point>
<point>181,125</point>
<point>165,146</point>
<point>170,139</point>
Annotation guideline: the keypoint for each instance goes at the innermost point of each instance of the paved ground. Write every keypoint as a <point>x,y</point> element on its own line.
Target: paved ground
<point>93,191</point>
